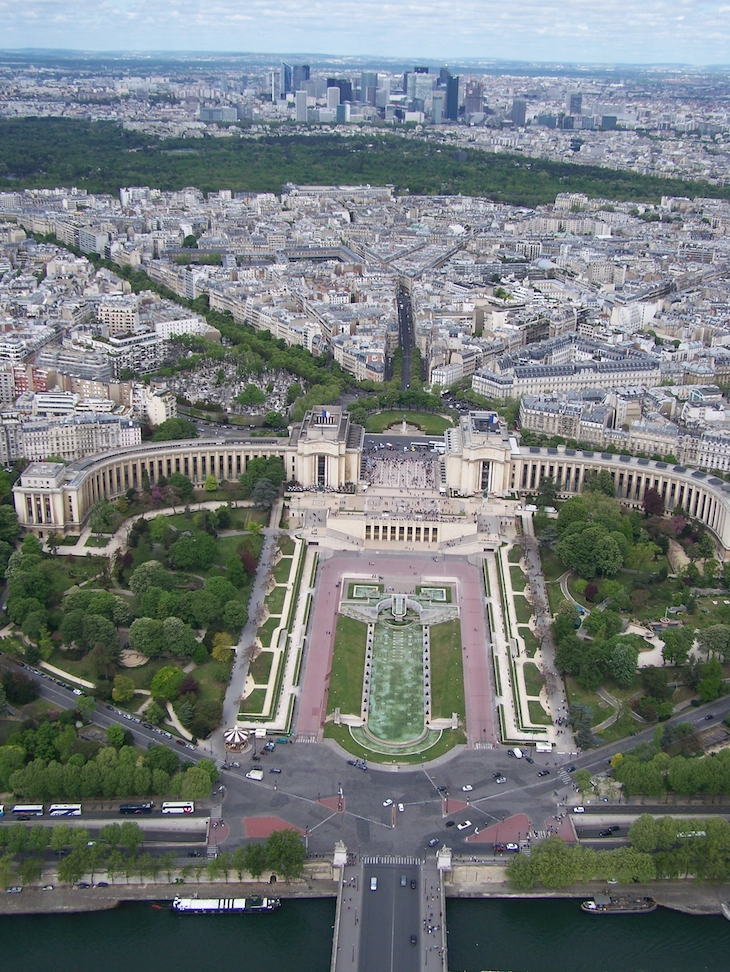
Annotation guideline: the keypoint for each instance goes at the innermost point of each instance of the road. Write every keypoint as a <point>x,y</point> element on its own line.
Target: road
<point>391,914</point>
<point>405,335</point>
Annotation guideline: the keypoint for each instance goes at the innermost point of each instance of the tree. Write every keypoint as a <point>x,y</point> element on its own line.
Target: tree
<point>710,687</point>
<point>9,526</point>
<point>622,661</point>
<point>166,683</point>
<point>274,420</point>
<point>599,482</point>
<point>154,713</point>
<point>175,428</point>
<point>182,485</point>
<point>548,492</point>
<point>104,517</point>
<point>222,588</point>
<point>255,860</point>
<point>715,640</point>
<point>196,784</point>
<point>677,645</point>
<point>653,503</point>
<point>145,636</point>
<point>115,734</point>
<point>211,484</point>
<point>178,638</point>
<point>286,853</point>
<point>160,530</point>
<point>97,629</point>
<point>131,836</point>
<point>235,615</point>
<point>655,682</point>
<point>149,574</point>
<point>250,396</point>
<point>263,494</point>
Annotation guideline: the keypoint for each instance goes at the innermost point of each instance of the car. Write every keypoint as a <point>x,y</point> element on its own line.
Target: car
<point>190,746</point>
<point>48,887</point>
<point>512,847</point>
<point>433,842</point>
<point>414,885</point>
<point>571,769</point>
<point>102,884</point>
<point>414,940</point>
<point>83,885</point>
<point>464,825</point>
<point>352,762</point>
<point>403,881</point>
<point>496,776</point>
<point>529,759</point>
<point>605,833</point>
<point>274,769</point>
<point>387,803</point>
<point>179,742</point>
<point>373,884</point>
<point>500,848</point>
<point>166,733</point>
<point>467,789</point>
<point>235,764</point>
<point>146,725</point>
<point>709,716</point>
<point>544,773</point>
<point>401,807</point>
<point>442,789</point>
<point>501,779</point>
<point>614,829</point>
<point>110,707</point>
<point>77,692</point>
<point>256,759</point>
<point>449,823</point>
<point>269,747</point>
<point>194,853</point>
<point>579,809</point>
<point>14,889</point>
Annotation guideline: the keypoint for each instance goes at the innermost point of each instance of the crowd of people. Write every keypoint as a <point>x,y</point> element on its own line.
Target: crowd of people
<point>400,470</point>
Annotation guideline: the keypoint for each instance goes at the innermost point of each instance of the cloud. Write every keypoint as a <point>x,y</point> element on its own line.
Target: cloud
<point>690,31</point>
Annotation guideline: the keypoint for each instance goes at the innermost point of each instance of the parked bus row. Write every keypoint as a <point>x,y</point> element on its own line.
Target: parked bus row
<point>24,811</point>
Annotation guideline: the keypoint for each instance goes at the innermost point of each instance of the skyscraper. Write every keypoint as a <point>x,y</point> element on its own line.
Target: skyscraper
<point>473,98</point>
<point>452,98</point>
<point>333,97</point>
<point>344,85</point>
<point>519,111</point>
<point>574,103</point>
<point>300,100</point>
<point>368,86</point>
<point>286,79</point>
<point>300,74</point>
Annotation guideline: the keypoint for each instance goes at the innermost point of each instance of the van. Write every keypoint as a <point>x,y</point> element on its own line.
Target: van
<point>255,774</point>
<point>373,884</point>
<point>517,753</point>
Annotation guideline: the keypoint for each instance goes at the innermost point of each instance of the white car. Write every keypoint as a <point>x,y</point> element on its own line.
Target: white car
<point>464,825</point>
<point>579,809</point>
<point>467,788</point>
<point>387,803</point>
<point>401,807</point>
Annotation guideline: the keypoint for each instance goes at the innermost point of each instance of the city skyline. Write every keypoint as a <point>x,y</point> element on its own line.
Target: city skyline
<point>693,32</point>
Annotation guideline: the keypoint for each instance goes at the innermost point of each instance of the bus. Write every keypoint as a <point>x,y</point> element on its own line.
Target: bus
<point>136,807</point>
<point>64,810</point>
<point>420,446</point>
<point>184,806</point>
<point>23,810</point>
<point>2,810</point>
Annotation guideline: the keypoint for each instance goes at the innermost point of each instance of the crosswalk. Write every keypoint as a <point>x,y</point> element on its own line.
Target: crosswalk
<point>391,859</point>
<point>306,737</point>
<point>565,778</point>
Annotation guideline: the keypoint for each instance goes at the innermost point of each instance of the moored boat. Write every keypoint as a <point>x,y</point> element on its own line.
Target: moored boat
<point>606,904</point>
<point>212,906</point>
<point>725,905</point>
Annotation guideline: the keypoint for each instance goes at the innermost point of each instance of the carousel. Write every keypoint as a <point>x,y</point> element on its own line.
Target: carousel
<point>236,740</point>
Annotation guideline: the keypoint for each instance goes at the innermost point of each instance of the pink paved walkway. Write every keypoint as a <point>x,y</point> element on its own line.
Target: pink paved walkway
<point>218,832</point>
<point>402,573</point>
<point>265,826</point>
<point>510,831</point>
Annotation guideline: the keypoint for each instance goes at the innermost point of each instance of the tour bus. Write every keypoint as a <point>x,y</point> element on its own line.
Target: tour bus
<point>420,446</point>
<point>136,807</point>
<point>2,810</point>
<point>183,806</point>
<point>27,810</point>
<point>64,810</point>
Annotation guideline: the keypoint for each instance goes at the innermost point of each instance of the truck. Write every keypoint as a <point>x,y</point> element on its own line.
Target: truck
<point>255,774</point>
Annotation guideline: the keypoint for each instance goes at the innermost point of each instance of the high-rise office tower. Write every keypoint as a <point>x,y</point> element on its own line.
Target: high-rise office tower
<point>333,97</point>
<point>368,86</point>
<point>344,85</point>
<point>437,108</point>
<point>300,101</point>
<point>444,75</point>
<point>574,103</point>
<point>299,74</point>
<point>473,98</point>
<point>519,111</point>
<point>452,98</point>
<point>286,79</point>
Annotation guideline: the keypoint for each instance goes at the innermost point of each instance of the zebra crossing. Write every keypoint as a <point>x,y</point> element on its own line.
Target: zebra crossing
<point>565,778</point>
<point>392,859</point>
<point>306,737</point>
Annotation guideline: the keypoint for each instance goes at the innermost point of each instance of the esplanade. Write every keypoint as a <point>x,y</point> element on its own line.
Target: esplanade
<point>479,475</point>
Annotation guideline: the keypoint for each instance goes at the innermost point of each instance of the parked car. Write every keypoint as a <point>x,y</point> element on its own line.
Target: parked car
<point>387,803</point>
<point>464,825</point>
<point>433,842</point>
<point>14,889</point>
<point>544,773</point>
<point>579,809</point>
<point>467,789</point>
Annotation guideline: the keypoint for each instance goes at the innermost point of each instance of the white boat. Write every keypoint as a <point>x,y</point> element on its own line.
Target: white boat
<point>212,906</point>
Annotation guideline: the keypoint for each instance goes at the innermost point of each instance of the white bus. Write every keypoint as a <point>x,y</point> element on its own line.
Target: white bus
<point>64,810</point>
<point>27,810</point>
<point>183,806</point>
<point>2,810</point>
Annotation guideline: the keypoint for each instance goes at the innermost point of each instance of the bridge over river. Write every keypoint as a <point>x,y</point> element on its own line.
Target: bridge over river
<point>391,917</point>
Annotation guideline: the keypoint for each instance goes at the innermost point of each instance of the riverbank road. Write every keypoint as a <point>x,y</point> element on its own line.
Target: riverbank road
<point>390,918</point>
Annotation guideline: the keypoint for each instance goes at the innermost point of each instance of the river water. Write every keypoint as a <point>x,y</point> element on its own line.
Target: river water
<point>504,935</point>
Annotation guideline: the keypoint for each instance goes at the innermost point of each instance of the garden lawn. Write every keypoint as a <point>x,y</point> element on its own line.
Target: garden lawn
<point>519,580</point>
<point>523,610</point>
<point>447,674</point>
<point>555,597</point>
<point>533,679</point>
<point>532,642</point>
<point>449,739</point>
<point>287,546</point>
<point>552,566</point>
<point>348,667</point>
<point>600,709</point>
<point>266,631</point>
<point>212,678</point>
<point>515,555</point>
<point>260,669</point>
<point>282,570</point>
<point>427,422</point>
<point>275,600</point>
<point>253,703</point>
<point>538,716</point>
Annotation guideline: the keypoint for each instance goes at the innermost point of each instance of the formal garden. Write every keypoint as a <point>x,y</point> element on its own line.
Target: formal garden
<point>645,629</point>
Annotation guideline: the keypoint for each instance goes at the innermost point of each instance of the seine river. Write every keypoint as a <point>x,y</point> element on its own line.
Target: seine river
<point>509,936</point>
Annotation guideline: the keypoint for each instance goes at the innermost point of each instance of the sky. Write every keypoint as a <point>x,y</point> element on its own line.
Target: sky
<point>588,31</point>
